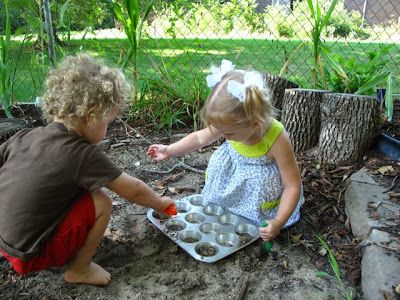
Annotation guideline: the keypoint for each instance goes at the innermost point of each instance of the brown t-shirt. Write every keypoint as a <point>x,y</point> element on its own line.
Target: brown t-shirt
<point>42,172</point>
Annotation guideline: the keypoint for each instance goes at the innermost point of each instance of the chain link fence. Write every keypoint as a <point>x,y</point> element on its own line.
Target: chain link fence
<point>186,37</point>
<point>272,35</point>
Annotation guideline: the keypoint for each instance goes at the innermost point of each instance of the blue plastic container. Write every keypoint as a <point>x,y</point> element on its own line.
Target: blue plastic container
<point>389,145</point>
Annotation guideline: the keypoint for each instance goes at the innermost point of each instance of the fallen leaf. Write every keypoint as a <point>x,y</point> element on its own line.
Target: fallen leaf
<point>173,190</point>
<point>285,264</point>
<point>385,169</point>
<point>160,192</point>
<point>397,289</point>
<point>307,244</point>
<point>296,238</point>
<point>174,177</point>
<point>159,186</point>
<point>388,295</point>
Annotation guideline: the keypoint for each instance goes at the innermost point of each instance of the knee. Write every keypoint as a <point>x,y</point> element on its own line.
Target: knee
<point>102,202</point>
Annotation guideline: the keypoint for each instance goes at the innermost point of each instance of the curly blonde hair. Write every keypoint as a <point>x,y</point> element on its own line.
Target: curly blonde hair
<point>222,107</point>
<point>80,86</point>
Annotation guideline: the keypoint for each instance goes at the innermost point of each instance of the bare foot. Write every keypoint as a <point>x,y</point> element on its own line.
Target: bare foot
<point>94,275</point>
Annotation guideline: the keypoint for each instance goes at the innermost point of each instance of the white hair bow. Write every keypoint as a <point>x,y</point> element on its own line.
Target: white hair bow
<point>250,78</point>
<point>218,72</point>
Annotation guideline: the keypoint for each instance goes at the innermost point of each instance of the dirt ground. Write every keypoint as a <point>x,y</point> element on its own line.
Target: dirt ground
<point>145,263</point>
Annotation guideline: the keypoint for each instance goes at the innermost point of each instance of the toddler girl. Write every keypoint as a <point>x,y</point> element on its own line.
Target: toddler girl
<point>254,173</point>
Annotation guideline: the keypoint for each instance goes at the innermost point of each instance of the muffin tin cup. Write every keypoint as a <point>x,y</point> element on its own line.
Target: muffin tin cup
<point>206,231</point>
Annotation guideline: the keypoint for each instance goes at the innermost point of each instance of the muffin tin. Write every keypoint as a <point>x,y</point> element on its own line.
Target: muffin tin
<point>204,230</point>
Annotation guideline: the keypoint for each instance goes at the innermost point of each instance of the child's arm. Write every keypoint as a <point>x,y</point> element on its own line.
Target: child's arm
<point>283,154</point>
<point>195,140</point>
<point>136,191</point>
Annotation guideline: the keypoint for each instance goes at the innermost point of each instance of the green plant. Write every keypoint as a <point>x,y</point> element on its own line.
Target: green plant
<point>285,30</point>
<point>389,105</point>
<point>361,76</point>
<point>170,98</point>
<point>289,58</point>
<point>65,19</point>
<point>335,268</point>
<point>5,66</point>
<point>133,24</point>
<point>320,20</point>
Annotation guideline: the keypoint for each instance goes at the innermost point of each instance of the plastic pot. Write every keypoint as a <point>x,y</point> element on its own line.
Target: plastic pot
<point>389,145</point>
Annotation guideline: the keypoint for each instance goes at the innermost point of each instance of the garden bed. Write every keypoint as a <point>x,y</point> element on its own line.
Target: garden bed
<point>145,263</point>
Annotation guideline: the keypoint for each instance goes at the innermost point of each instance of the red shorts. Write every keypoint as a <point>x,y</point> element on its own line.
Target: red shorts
<point>68,238</point>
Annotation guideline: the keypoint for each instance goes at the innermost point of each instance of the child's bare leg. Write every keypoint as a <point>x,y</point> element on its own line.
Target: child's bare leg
<point>81,269</point>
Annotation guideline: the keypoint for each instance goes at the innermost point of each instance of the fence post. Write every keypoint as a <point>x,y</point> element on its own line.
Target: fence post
<point>49,29</point>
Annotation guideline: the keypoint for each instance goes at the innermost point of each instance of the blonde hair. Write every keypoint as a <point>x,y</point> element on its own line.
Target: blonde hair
<point>222,107</point>
<point>80,86</point>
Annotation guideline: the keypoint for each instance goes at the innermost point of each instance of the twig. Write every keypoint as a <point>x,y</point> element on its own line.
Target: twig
<point>241,294</point>
<point>178,165</point>
<point>190,168</point>
<point>134,130</point>
<point>393,185</point>
<point>369,242</point>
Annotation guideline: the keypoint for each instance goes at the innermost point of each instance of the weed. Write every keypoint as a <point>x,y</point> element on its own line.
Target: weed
<point>335,267</point>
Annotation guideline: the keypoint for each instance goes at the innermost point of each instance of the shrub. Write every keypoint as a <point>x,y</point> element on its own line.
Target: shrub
<point>285,30</point>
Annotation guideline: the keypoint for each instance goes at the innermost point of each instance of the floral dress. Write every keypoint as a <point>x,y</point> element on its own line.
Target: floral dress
<point>244,180</point>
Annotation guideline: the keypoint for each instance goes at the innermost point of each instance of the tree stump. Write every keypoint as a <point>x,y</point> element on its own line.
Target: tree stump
<point>301,117</point>
<point>10,126</point>
<point>349,124</point>
<point>277,86</point>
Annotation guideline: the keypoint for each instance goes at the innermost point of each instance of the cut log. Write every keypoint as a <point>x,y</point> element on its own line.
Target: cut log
<point>10,126</point>
<point>349,125</point>
<point>277,86</point>
<point>301,117</point>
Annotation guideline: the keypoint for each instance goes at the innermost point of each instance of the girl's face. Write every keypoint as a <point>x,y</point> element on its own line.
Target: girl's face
<point>248,135</point>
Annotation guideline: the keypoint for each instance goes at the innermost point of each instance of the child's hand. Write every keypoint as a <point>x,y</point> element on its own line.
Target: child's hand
<point>158,152</point>
<point>271,231</point>
<point>167,202</point>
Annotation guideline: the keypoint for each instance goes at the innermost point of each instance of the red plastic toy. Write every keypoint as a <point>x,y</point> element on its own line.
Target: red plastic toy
<point>171,210</point>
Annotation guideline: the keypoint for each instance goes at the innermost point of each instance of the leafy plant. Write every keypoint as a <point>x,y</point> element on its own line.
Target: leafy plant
<point>320,20</point>
<point>133,24</point>
<point>361,76</point>
<point>335,268</point>
<point>5,66</point>
<point>65,18</point>
<point>171,98</point>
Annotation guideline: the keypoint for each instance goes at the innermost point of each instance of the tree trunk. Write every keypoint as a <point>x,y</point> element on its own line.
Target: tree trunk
<point>301,117</point>
<point>349,124</point>
<point>277,86</point>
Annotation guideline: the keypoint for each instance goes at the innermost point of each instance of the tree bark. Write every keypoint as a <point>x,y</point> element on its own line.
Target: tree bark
<point>277,86</point>
<point>301,117</point>
<point>349,124</point>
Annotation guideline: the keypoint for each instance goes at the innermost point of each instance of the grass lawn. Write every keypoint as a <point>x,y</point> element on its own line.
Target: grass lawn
<point>189,56</point>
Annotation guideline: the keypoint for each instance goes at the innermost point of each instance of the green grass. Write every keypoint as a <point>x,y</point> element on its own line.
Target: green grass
<point>190,56</point>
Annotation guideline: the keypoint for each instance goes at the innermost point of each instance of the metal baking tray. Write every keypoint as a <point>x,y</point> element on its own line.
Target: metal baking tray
<point>204,230</point>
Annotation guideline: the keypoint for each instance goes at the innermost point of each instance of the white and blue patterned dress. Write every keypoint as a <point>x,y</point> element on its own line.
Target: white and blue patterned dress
<point>249,183</point>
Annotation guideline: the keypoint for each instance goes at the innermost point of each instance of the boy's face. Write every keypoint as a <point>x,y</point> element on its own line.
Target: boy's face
<point>94,132</point>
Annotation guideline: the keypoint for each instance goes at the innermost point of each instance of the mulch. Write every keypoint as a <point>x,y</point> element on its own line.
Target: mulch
<point>323,212</point>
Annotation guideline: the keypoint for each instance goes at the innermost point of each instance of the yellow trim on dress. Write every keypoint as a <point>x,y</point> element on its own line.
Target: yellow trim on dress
<point>268,205</point>
<point>263,146</point>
